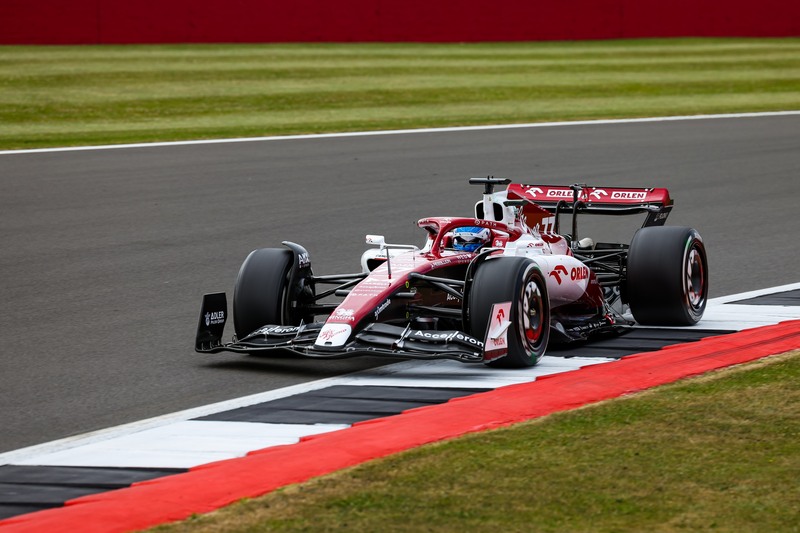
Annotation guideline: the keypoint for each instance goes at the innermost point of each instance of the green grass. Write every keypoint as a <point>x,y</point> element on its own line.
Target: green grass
<point>56,96</point>
<point>716,453</point>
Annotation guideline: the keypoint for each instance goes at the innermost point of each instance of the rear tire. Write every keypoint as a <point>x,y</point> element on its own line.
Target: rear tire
<point>518,280</point>
<point>667,276</point>
<point>261,293</point>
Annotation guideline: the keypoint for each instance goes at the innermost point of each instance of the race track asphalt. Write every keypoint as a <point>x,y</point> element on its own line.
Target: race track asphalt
<point>106,253</point>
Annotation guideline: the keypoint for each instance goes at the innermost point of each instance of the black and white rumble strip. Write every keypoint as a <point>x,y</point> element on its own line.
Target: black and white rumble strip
<point>47,475</point>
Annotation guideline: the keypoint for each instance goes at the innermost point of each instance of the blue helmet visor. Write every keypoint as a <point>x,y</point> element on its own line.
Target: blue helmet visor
<point>469,239</point>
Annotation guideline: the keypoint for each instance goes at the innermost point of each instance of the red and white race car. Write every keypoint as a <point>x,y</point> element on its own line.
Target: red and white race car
<point>492,288</point>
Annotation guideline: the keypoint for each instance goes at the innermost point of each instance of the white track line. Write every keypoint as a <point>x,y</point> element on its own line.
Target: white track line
<point>402,132</point>
<point>754,294</point>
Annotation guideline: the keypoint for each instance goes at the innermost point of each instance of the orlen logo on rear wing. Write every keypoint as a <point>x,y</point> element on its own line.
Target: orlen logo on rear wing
<point>599,200</point>
<point>545,195</point>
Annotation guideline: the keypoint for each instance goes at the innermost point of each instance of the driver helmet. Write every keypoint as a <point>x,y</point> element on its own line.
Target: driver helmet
<point>470,238</point>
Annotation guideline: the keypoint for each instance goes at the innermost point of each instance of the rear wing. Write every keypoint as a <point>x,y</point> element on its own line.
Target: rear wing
<point>656,203</point>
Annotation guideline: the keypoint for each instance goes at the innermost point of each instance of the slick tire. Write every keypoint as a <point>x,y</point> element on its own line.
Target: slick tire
<point>667,276</point>
<point>261,292</point>
<point>520,281</point>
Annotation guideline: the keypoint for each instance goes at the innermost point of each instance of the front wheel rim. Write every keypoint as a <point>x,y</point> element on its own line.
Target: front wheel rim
<point>532,314</point>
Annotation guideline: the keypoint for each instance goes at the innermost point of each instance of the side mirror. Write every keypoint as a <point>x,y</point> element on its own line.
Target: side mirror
<point>376,240</point>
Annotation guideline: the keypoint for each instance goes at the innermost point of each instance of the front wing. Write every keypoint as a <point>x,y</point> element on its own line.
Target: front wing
<point>373,339</point>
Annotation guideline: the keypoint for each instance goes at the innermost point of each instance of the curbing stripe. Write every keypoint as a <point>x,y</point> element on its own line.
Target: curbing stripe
<point>209,487</point>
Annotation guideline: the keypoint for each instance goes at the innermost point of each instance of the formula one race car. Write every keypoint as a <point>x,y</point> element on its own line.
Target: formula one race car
<point>493,288</point>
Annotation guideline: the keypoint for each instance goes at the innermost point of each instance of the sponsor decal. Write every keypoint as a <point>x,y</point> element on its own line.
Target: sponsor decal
<point>579,273</point>
<point>304,260</point>
<point>450,297</point>
<point>499,342</point>
<point>344,314</point>
<point>598,193</point>
<point>533,191</point>
<point>488,224</point>
<point>628,195</point>
<point>367,289</point>
<point>497,334</point>
<point>355,293</point>
<point>278,330</point>
<point>558,271</point>
<point>329,334</point>
<point>434,336</point>
<point>217,317</point>
<point>574,274</point>
<point>501,314</point>
<point>441,262</point>
<point>447,336</point>
<point>559,193</point>
<point>381,308</point>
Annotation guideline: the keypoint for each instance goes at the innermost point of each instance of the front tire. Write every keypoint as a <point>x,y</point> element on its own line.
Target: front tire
<point>261,293</point>
<point>667,276</point>
<point>520,281</point>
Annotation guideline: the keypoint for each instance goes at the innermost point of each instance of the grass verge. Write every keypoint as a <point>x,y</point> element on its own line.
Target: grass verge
<point>60,96</point>
<point>720,452</point>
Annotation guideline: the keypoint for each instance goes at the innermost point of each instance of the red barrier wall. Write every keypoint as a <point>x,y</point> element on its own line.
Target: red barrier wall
<point>178,21</point>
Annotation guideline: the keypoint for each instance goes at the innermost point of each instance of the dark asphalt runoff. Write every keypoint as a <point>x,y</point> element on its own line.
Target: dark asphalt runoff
<point>106,253</point>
